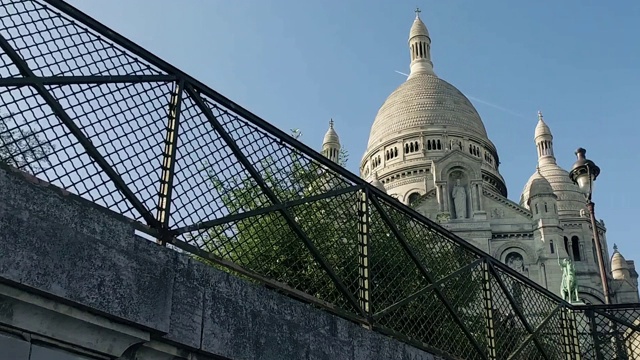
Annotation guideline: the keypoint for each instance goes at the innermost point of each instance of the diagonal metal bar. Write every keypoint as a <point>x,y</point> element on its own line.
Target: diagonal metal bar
<point>425,289</point>
<point>532,335</point>
<point>515,307</point>
<point>273,198</point>
<point>423,270</point>
<point>169,159</point>
<point>264,210</point>
<point>616,319</point>
<point>164,66</point>
<point>89,79</point>
<point>82,139</point>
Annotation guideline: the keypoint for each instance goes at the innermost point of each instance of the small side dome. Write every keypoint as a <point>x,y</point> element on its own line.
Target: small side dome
<point>540,186</point>
<point>619,268</point>
<point>377,183</point>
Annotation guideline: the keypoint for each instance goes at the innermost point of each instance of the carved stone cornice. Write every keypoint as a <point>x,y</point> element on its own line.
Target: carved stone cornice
<point>508,203</point>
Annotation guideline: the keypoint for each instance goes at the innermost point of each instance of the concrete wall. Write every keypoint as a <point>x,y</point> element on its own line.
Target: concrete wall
<point>74,276</point>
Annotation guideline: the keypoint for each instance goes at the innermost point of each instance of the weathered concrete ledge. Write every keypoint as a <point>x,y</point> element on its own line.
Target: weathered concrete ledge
<point>61,256</point>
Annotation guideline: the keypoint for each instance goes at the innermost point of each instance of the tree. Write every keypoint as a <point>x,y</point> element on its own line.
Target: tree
<point>21,147</point>
<point>267,245</point>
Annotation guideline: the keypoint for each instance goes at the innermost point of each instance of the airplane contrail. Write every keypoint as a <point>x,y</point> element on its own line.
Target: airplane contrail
<point>480,101</point>
<point>495,106</point>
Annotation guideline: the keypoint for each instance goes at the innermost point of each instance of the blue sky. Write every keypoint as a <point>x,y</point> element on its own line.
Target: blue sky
<point>298,63</point>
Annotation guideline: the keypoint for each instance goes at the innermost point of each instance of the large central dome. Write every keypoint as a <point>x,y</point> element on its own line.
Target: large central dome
<point>425,102</point>
<point>421,123</point>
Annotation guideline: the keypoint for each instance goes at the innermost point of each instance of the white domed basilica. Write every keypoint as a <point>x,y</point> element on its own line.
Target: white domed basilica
<point>429,149</point>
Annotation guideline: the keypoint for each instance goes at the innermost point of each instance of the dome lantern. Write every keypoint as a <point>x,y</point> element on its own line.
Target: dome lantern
<point>420,47</point>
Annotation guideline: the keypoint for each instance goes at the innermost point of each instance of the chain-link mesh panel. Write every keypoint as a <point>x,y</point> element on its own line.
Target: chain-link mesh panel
<point>7,68</point>
<point>53,45</point>
<point>610,333</point>
<point>394,275</point>
<point>266,245</point>
<point>210,182</point>
<point>437,253</point>
<point>331,225</point>
<point>290,174</point>
<point>126,125</point>
<point>550,335</point>
<point>464,292</point>
<point>510,332</point>
<point>33,139</point>
<point>425,319</point>
<point>100,124</point>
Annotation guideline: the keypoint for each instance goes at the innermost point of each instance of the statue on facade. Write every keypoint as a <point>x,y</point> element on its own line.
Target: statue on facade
<point>516,262</point>
<point>459,195</point>
<point>569,286</point>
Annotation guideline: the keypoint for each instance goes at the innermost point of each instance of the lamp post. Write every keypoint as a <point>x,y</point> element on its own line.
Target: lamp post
<point>584,173</point>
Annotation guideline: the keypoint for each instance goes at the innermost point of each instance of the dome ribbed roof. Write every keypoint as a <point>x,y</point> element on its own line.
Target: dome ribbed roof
<point>569,196</point>
<point>331,137</point>
<point>418,28</point>
<point>540,185</point>
<point>542,129</point>
<point>425,101</point>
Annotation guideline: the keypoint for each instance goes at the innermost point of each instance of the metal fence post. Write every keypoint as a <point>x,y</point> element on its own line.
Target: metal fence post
<point>364,293</point>
<point>169,160</point>
<point>570,334</point>
<point>488,311</point>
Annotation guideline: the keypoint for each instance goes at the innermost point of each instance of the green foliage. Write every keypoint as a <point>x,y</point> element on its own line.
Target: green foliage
<point>21,147</point>
<point>268,245</point>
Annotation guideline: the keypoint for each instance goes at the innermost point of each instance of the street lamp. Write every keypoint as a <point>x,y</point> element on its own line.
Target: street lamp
<point>584,173</point>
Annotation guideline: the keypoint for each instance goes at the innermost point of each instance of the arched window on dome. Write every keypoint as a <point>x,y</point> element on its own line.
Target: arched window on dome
<point>417,147</point>
<point>439,145</point>
<point>413,198</point>
<point>575,248</point>
<point>428,145</point>
<point>470,149</point>
<point>395,152</point>
<point>433,144</point>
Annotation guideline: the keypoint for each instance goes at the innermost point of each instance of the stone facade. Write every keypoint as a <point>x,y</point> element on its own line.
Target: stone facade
<point>428,148</point>
<point>79,284</point>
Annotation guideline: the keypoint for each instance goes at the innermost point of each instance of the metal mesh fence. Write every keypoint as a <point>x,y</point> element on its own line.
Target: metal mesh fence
<point>88,111</point>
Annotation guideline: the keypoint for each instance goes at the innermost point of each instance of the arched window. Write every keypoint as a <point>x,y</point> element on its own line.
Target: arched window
<point>417,146</point>
<point>413,198</point>
<point>593,249</point>
<point>551,249</point>
<point>439,145</point>
<point>575,248</point>
<point>546,209</point>
<point>536,206</point>
<point>566,245</point>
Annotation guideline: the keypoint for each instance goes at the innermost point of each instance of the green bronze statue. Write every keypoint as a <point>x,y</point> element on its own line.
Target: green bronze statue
<point>569,287</point>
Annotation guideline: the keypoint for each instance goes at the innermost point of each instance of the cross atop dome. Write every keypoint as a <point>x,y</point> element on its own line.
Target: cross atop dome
<point>418,11</point>
<point>540,117</point>
<point>331,123</point>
